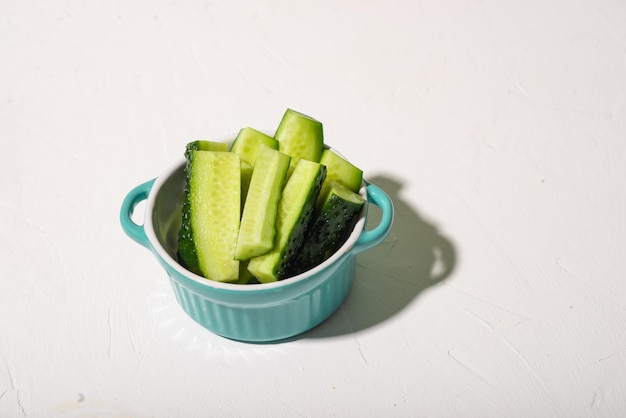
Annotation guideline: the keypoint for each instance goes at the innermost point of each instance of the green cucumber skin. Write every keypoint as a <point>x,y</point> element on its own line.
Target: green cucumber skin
<point>204,145</point>
<point>329,229</point>
<point>296,237</point>
<point>277,264</point>
<point>187,255</point>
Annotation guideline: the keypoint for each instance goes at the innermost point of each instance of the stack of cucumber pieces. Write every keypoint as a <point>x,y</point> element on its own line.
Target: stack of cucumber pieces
<point>268,208</point>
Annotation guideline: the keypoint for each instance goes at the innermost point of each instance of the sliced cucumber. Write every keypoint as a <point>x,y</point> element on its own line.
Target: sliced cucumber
<point>257,230</point>
<point>204,145</point>
<point>338,170</point>
<point>330,227</point>
<point>295,210</point>
<point>268,208</point>
<point>300,136</point>
<point>211,215</point>
<point>247,144</point>
<point>246,177</point>
<point>341,170</point>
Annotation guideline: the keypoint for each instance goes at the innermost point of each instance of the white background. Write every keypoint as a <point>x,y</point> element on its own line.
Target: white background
<point>498,129</point>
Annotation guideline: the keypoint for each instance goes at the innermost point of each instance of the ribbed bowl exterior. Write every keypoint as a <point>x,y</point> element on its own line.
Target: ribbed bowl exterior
<point>253,312</point>
<point>267,316</point>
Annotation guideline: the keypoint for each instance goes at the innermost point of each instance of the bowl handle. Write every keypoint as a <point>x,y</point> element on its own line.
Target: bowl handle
<point>373,237</point>
<point>136,232</point>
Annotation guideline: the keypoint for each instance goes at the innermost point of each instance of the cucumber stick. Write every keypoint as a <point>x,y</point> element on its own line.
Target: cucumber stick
<point>295,210</point>
<point>257,230</point>
<point>247,145</point>
<point>341,170</point>
<point>248,142</point>
<point>211,215</point>
<point>246,177</point>
<point>269,207</point>
<point>300,136</point>
<point>331,225</point>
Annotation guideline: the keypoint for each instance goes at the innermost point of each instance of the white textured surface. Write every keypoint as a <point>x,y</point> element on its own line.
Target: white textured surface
<point>498,128</point>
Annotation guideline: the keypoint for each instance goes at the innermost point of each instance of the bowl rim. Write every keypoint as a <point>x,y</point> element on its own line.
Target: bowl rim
<point>162,253</point>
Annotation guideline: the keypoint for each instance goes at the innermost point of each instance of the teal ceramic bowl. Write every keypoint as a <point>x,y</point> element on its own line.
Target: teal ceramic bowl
<point>252,312</point>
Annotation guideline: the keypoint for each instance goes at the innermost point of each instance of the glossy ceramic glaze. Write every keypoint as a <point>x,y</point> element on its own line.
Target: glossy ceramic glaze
<point>255,312</point>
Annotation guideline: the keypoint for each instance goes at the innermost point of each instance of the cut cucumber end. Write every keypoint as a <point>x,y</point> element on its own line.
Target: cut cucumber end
<point>248,142</point>
<point>204,145</point>
<point>300,136</point>
<point>341,170</point>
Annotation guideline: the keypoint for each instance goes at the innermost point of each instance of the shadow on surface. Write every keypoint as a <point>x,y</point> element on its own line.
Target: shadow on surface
<point>413,257</point>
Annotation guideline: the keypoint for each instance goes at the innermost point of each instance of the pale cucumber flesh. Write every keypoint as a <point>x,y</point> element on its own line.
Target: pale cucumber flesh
<point>223,235</point>
<point>247,145</point>
<point>341,170</point>
<point>186,244</point>
<point>246,177</point>
<point>204,145</point>
<point>300,136</point>
<point>248,142</point>
<point>295,210</point>
<point>257,230</point>
<point>214,204</point>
